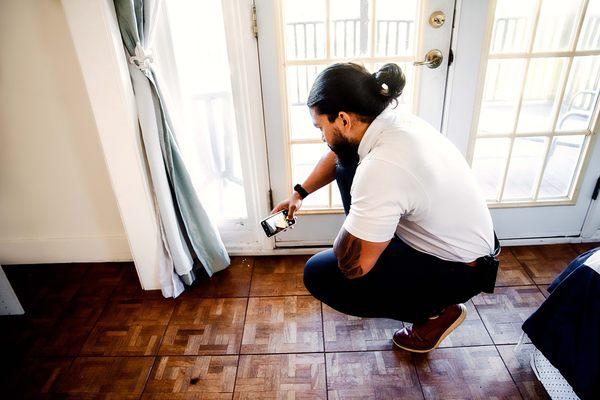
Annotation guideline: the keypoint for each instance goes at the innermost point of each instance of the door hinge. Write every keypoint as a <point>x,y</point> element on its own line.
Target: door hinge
<point>596,189</point>
<point>254,21</point>
<point>271,205</point>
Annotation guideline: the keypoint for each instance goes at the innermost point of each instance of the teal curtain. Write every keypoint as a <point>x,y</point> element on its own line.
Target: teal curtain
<point>187,232</point>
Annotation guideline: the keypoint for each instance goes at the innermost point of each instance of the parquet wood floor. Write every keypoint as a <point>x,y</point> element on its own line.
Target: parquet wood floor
<point>253,331</point>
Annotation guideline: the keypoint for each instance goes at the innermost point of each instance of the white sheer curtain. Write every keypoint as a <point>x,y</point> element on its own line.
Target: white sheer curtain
<point>199,76</point>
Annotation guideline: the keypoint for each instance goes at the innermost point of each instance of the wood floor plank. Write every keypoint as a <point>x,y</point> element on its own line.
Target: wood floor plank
<point>510,271</point>
<point>102,376</point>
<point>544,263</point>
<point>129,286</point>
<point>464,373</point>
<point>131,327</point>
<point>279,276</point>
<point>281,376</point>
<point>103,278</point>
<point>504,311</point>
<point>197,377</point>
<point>372,375</point>
<point>32,378</point>
<point>287,324</point>
<point>345,332</point>
<point>581,248</point>
<point>44,290</point>
<point>70,332</point>
<point>233,281</point>
<point>205,326</point>
<point>544,290</point>
<point>520,370</point>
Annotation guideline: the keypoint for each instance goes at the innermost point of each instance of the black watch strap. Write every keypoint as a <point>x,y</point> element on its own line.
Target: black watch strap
<point>303,193</point>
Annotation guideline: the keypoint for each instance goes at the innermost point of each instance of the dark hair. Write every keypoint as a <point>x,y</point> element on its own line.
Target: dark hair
<point>350,87</point>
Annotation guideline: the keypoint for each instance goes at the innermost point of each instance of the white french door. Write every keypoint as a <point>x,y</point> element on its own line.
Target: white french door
<point>522,105</point>
<point>297,40</point>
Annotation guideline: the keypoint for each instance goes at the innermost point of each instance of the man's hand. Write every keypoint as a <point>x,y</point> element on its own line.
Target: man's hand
<point>355,256</point>
<point>292,204</point>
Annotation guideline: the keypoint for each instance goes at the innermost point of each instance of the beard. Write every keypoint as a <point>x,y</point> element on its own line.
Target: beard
<point>344,149</point>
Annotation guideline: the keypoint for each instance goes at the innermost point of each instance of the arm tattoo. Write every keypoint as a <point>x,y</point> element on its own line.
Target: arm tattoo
<point>348,255</point>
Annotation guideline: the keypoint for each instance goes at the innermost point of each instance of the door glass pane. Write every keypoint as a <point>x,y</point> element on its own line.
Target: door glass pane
<point>503,81</point>
<point>558,95</point>
<point>489,161</point>
<point>319,33</point>
<point>589,38</point>
<point>525,164</point>
<point>556,25</point>
<point>581,94</point>
<point>350,28</point>
<point>304,159</point>
<point>563,158</point>
<point>513,21</point>
<point>540,97</point>
<point>300,79</point>
<point>304,29</point>
<point>396,27</point>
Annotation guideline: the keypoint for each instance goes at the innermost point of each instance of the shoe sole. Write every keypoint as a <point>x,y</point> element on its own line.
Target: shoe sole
<point>455,324</point>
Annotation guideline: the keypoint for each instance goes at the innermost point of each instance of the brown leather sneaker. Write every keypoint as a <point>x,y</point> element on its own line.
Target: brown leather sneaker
<point>426,336</point>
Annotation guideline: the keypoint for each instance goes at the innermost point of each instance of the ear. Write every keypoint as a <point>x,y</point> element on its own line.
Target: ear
<point>345,119</point>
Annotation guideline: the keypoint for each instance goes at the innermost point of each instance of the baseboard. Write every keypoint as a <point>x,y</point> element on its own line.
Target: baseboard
<point>275,252</point>
<point>548,240</point>
<point>64,250</point>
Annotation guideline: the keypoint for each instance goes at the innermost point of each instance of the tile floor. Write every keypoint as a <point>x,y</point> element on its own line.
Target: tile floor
<point>254,332</point>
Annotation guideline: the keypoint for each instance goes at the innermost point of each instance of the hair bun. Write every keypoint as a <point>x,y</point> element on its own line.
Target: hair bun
<point>390,80</point>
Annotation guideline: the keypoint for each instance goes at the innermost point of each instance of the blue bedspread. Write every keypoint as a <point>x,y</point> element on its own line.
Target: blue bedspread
<point>566,327</point>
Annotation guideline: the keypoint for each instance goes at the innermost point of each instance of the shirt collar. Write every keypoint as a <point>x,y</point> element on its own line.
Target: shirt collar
<point>375,128</point>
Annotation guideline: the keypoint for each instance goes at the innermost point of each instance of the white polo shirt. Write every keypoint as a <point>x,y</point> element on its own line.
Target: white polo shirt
<point>412,181</point>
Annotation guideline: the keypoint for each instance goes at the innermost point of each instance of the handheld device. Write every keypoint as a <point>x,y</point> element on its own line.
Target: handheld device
<point>276,223</point>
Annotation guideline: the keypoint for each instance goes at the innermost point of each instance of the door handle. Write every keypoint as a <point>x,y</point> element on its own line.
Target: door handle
<point>433,59</point>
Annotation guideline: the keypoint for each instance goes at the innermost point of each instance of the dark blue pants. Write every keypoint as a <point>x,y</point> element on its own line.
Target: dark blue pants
<point>405,284</point>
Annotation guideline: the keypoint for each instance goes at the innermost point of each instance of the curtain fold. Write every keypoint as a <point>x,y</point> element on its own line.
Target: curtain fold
<point>174,194</point>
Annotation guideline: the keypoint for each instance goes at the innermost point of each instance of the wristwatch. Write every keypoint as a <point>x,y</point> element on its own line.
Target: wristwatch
<point>303,193</point>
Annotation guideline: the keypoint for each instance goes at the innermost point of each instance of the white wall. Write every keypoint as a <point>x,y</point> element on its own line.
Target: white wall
<point>56,201</point>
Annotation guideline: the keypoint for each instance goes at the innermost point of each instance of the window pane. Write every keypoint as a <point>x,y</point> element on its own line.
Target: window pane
<point>304,23</point>
<point>558,176</point>
<point>304,159</point>
<point>350,28</point>
<point>513,21</point>
<point>207,108</point>
<point>299,81</point>
<point>489,161</point>
<point>396,27</point>
<point>525,165</point>
<point>336,198</point>
<point>544,79</point>
<point>556,25</point>
<point>589,38</point>
<point>581,94</point>
<point>503,80</point>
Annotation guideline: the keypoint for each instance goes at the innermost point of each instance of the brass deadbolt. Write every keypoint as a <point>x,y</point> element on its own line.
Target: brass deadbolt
<point>437,19</point>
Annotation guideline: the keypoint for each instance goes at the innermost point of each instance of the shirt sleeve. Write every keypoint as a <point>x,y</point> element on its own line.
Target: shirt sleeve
<point>382,193</point>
